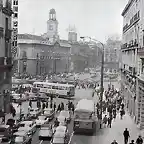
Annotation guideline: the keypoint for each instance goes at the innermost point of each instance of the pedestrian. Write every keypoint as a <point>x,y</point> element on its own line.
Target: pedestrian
<point>114,142</point>
<point>132,142</point>
<point>121,113</point>
<point>109,122</point>
<point>139,140</point>
<point>126,136</point>
<point>105,119</point>
<point>54,106</point>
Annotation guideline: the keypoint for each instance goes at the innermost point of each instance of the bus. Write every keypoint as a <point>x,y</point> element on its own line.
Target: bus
<point>62,90</point>
<point>85,117</point>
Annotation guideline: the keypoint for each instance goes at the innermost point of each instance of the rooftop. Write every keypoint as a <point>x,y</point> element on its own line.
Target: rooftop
<point>127,7</point>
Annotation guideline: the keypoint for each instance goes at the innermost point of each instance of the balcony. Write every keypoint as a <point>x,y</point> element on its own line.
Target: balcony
<point>5,64</point>
<point>7,10</point>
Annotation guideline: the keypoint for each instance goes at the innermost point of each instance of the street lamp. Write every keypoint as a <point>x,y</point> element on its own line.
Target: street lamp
<point>102,71</point>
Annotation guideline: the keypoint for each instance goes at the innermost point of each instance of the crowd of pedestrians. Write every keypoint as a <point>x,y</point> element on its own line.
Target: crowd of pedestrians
<point>112,106</point>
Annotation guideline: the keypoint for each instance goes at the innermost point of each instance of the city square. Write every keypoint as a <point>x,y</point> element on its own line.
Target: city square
<point>71,72</point>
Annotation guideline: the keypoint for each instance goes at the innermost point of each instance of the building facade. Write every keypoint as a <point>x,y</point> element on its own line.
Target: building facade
<point>5,54</point>
<point>38,56</point>
<point>132,59</point>
<point>14,23</point>
<point>111,55</point>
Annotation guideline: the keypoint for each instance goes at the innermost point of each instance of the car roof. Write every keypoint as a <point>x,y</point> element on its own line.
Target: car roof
<point>48,109</point>
<point>59,134</point>
<point>26,122</point>
<point>20,133</point>
<point>61,127</point>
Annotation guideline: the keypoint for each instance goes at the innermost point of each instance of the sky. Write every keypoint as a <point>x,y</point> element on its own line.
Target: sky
<point>95,18</point>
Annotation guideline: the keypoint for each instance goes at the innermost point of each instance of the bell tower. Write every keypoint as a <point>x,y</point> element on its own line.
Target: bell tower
<point>52,25</point>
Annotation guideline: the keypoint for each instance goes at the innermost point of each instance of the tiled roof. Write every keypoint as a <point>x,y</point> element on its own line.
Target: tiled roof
<point>30,37</point>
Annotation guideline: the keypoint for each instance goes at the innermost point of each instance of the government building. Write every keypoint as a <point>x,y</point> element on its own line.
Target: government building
<point>132,60</point>
<point>37,55</point>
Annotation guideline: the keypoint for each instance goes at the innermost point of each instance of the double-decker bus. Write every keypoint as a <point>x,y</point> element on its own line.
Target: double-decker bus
<point>62,90</point>
<point>85,117</point>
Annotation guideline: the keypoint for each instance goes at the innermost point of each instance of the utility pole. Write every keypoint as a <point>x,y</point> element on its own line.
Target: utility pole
<point>102,87</point>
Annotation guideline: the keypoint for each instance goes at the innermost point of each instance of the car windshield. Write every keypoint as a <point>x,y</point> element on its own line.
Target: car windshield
<point>41,118</point>
<point>19,139</point>
<point>64,113</point>
<point>22,125</point>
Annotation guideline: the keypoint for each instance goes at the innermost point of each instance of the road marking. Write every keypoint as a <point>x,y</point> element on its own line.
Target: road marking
<point>41,142</point>
<point>71,137</point>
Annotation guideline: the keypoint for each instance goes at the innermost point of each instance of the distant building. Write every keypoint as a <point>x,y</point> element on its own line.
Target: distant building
<point>38,56</point>
<point>111,55</point>
<point>5,54</point>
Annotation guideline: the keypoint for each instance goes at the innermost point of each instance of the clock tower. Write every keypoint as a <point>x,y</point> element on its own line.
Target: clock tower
<point>52,26</point>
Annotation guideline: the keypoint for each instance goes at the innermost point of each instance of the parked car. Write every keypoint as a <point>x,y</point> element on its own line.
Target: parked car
<point>41,120</point>
<point>45,132</point>
<point>22,137</point>
<point>27,125</point>
<point>49,113</point>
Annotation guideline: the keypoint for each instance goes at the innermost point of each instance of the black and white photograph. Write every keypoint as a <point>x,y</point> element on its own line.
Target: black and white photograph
<point>71,71</point>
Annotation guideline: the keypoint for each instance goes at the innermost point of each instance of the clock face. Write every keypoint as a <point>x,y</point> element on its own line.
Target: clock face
<point>50,27</point>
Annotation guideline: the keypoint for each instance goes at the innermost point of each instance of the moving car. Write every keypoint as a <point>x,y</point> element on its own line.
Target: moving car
<point>22,137</point>
<point>62,129</point>
<point>34,112</point>
<point>49,113</point>
<point>64,115</point>
<point>45,132</point>
<point>27,125</point>
<point>41,120</point>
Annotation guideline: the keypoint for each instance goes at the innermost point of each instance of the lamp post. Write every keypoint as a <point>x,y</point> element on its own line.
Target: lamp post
<point>102,71</point>
<point>37,58</point>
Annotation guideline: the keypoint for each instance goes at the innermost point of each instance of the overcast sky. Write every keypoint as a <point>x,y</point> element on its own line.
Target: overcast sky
<point>95,18</point>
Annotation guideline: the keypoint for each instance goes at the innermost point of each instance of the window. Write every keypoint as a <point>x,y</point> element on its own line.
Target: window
<point>15,23</point>
<point>15,15</point>
<point>15,8</point>
<point>15,2</point>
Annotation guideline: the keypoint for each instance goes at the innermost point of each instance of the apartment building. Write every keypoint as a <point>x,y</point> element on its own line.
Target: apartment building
<point>132,84</point>
<point>5,54</point>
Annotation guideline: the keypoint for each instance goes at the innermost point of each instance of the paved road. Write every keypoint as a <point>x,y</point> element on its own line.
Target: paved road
<point>80,94</point>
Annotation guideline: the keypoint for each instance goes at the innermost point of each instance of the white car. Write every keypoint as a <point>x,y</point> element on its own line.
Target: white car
<point>34,112</point>
<point>45,132</point>
<point>27,126</point>
<point>58,138</point>
<point>62,129</point>
<point>41,120</point>
<point>64,115</point>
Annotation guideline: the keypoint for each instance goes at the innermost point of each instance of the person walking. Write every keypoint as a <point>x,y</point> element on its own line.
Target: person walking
<point>109,122</point>
<point>139,140</point>
<point>126,136</point>
<point>105,120</point>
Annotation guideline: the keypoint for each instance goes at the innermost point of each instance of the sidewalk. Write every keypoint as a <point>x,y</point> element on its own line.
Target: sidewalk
<point>107,135</point>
